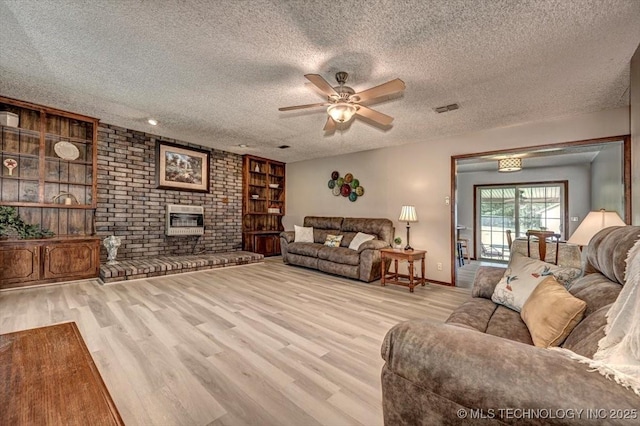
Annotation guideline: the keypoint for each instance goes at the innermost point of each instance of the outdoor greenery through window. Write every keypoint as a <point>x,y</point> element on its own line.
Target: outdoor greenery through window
<point>517,208</point>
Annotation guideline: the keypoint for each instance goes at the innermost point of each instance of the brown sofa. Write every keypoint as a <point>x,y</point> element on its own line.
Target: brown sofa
<point>482,362</point>
<point>363,264</point>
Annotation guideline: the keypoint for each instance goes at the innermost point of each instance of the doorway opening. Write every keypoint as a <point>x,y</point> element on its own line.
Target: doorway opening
<point>591,174</point>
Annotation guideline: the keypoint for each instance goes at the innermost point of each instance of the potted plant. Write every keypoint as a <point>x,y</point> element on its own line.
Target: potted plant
<point>398,242</point>
<point>12,225</point>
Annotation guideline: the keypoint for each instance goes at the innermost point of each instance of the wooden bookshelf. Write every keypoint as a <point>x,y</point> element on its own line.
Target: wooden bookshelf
<point>263,204</point>
<point>37,188</point>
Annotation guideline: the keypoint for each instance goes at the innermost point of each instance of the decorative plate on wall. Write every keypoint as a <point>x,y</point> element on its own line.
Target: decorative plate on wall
<point>347,186</point>
<point>66,150</point>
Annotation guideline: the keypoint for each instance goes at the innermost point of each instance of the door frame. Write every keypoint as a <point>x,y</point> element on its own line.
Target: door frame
<point>565,199</point>
<point>626,175</point>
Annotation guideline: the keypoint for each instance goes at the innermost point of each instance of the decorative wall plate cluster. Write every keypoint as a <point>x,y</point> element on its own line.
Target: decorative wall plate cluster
<point>347,186</point>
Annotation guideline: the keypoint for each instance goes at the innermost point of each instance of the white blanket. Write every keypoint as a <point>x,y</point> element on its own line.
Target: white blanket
<point>618,354</point>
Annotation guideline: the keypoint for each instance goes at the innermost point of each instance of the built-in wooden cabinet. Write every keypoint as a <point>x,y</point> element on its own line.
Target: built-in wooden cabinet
<point>29,262</point>
<point>263,205</point>
<point>53,184</point>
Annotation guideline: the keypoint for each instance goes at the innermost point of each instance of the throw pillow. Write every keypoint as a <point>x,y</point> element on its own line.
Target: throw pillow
<point>551,312</point>
<point>333,240</point>
<point>359,239</point>
<point>523,275</point>
<point>303,234</point>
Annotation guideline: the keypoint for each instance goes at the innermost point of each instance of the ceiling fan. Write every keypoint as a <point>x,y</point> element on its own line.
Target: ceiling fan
<point>343,102</point>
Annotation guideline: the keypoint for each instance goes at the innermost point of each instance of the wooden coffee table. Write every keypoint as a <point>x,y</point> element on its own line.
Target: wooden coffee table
<point>47,377</point>
<point>403,279</point>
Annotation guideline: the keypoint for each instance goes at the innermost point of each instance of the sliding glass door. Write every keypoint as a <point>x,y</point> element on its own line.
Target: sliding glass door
<point>517,208</point>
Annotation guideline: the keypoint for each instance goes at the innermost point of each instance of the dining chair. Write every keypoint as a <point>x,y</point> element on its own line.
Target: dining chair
<point>542,237</point>
<point>509,238</point>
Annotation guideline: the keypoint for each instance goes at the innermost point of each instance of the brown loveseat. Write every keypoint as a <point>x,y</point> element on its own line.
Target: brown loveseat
<point>363,264</point>
<point>481,364</point>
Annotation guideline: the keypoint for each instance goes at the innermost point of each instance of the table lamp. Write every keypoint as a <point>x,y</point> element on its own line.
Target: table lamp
<point>408,214</point>
<point>592,224</point>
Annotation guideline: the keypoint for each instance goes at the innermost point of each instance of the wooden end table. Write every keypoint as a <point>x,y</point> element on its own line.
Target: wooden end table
<point>403,279</point>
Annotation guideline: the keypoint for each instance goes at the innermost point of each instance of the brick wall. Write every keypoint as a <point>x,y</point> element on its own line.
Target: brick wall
<point>130,206</point>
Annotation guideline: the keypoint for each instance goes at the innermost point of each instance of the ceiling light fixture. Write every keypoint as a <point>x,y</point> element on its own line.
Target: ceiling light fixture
<point>342,111</point>
<point>243,145</point>
<point>152,121</point>
<point>512,164</point>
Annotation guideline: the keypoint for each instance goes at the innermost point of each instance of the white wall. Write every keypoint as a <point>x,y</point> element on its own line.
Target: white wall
<point>420,174</point>
<point>607,186</point>
<point>579,191</point>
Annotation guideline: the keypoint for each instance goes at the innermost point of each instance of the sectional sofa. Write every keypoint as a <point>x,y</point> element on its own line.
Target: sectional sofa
<point>482,362</point>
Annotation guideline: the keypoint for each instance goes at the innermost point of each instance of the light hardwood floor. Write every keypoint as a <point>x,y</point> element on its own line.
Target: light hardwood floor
<point>263,344</point>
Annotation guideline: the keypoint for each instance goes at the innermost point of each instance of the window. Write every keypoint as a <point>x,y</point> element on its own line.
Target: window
<point>518,208</point>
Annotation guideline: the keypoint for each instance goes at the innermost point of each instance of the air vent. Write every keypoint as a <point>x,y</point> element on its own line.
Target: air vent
<point>446,108</point>
<point>284,146</point>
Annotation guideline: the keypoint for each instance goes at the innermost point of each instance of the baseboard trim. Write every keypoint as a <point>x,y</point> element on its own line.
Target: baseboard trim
<point>439,282</point>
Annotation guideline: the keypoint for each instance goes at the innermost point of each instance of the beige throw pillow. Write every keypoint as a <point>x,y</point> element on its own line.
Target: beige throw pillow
<point>303,234</point>
<point>551,312</point>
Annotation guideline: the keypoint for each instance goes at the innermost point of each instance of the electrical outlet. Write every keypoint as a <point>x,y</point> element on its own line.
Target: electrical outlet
<point>446,200</point>
<point>574,218</point>
<point>439,266</point>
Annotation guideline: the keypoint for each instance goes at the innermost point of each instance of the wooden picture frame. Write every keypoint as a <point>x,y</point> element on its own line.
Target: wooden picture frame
<point>182,168</point>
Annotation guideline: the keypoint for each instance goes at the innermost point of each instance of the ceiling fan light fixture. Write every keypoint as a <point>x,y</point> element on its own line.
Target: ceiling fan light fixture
<point>342,111</point>
<point>511,164</point>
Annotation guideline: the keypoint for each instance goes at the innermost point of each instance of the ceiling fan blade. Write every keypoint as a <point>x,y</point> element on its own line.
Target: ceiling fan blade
<point>330,125</point>
<point>302,106</point>
<point>376,116</point>
<point>387,88</point>
<point>321,84</point>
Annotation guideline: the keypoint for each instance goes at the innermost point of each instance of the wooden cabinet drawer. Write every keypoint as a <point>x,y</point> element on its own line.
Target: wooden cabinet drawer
<point>267,244</point>
<point>19,264</point>
<point>79,259</point>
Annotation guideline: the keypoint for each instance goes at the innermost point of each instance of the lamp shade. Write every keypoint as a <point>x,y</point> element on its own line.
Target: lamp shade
<point>592,224</point>
<point>342,111</point>
<point>408,214</point>
<point>512,164</point>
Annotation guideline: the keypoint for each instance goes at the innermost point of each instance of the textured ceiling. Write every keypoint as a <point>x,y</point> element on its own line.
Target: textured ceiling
<point>215,72</point>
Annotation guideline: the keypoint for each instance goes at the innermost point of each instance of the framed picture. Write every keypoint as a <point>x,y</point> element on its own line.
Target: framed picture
<point>182,168</point>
